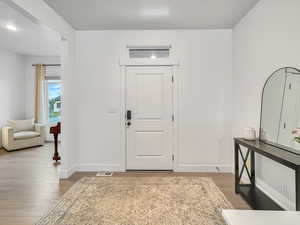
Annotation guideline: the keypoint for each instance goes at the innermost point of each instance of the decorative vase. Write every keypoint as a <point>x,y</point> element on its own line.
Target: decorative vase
<point>249,133</point>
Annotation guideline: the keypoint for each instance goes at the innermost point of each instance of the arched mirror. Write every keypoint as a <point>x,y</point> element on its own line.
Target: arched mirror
<point>280,110</point>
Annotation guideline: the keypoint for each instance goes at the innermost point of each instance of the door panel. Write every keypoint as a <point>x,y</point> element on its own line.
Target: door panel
<point>149,94</point>
<point>149,143</point>
<point>149,137</point>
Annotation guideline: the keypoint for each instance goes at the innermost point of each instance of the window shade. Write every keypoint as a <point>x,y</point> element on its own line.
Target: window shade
<point>53,73</point>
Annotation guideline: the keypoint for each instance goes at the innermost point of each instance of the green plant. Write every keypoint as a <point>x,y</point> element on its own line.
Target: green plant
<point>297,139</point>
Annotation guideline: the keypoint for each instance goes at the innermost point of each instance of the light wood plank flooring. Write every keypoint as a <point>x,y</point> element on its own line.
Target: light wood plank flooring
<point>29,184</point>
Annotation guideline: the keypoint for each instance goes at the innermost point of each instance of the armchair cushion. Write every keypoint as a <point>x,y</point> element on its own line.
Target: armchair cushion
<point>25,135</point>
<point>22,125</point>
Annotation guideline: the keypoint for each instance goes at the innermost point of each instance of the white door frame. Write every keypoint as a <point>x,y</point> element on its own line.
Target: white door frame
<point>124,63</point>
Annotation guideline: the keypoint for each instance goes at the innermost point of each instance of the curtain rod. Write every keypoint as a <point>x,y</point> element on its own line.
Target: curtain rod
<point>47,64</point>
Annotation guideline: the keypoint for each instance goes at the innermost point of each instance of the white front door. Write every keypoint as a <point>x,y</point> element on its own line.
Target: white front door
<point>149,97</point>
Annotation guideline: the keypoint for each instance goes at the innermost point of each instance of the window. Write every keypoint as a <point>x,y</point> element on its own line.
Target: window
<point>53,89</point>
<point>149,52</point>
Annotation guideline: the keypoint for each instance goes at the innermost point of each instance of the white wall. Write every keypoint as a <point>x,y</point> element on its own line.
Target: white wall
<point>30,79</point>
<point>205,78</point>
<point>12,89</point>
<point>265,40</point>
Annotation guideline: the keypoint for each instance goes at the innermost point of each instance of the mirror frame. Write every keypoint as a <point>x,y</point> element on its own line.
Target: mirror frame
<point>283,147</point>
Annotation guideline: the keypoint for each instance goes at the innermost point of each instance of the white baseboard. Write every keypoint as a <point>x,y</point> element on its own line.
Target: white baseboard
<point>99,167</point>
<point>211,168</point>
<point>275,195</point>
<point>65,174</point>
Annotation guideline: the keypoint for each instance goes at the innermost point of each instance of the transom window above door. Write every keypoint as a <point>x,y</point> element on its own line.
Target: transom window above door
<point>150,52</point>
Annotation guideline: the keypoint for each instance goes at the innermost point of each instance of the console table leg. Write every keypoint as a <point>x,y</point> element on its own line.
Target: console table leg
<point>297,175</point>
<point>56,156</point>
<point>252,180</point>
<point>236,166</point>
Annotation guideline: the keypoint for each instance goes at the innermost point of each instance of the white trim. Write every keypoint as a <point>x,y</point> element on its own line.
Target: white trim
<point>148,62</point>
<point>64,153</point>
<point>204,168</point>
<point>122,117</point>
<point>149,46</point>
<point>275,195</point>
<point>66,174</point>
<point>176,116</point>
<point>99,167</point>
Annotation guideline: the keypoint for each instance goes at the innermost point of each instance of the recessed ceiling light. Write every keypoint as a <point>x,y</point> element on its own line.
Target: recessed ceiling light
<point>11,27</point>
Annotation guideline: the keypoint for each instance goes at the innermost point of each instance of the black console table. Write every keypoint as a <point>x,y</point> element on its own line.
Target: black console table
<point>252,194</point>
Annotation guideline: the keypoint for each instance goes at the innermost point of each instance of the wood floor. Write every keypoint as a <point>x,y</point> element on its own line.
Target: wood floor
<point>29,184</point>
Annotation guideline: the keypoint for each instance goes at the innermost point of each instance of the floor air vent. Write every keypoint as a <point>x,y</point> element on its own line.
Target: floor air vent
<point>104,174</point>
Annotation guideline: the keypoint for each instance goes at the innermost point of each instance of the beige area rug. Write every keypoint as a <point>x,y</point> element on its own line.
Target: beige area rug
<point>140,201</point>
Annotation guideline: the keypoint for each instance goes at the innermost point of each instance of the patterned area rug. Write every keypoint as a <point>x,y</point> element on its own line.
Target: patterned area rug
<point>140,201</point>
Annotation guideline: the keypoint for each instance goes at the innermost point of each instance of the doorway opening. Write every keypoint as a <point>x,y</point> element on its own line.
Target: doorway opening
<point>31,81</point>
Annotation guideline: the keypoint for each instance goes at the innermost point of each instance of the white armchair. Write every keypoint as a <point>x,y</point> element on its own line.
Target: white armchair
<point>20,134</point>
